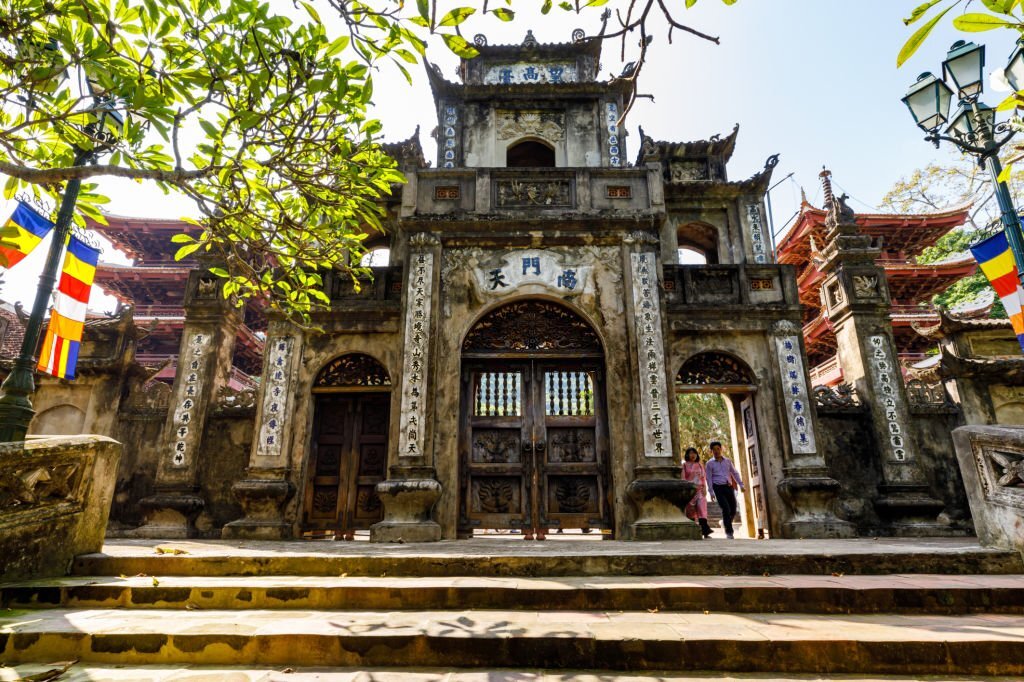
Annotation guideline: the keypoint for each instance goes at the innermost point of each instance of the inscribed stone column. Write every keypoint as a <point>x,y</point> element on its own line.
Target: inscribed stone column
<point>267,485</point>
<point>204,365</point>
<point>412,488</point>
<point>856,299</point>
<point>807,487</point>
<point>659,493</point>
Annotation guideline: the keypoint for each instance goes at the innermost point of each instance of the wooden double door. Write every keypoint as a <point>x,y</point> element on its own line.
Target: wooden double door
<point>533,447</point>
<point>348,459</point>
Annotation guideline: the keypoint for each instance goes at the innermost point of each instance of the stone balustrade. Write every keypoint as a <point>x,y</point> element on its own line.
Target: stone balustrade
<point>723,285</point>
<point>55,496</point>
<point>992,465</point>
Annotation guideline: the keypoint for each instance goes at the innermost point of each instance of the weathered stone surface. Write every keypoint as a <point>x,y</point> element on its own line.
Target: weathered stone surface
<point>992,464</point>
<point>55,496</point>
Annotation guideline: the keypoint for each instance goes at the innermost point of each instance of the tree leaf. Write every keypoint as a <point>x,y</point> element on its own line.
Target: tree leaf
<point>912,45</point>
<point>457,16</point>
<point>920,11</point>
<point>975,22</point>
<point>503,14</point>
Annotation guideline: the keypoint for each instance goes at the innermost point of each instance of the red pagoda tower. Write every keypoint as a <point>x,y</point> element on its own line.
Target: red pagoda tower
<point>911,286</point>
<point>155,286</point>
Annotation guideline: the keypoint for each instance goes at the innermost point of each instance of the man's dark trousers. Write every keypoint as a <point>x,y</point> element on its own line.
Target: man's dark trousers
<point>726,497</point>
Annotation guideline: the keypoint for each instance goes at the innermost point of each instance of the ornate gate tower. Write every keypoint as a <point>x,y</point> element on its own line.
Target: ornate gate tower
<point>526,342</point>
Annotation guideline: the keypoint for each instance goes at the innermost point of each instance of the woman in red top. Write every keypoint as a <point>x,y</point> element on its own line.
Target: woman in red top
<point>693,471</point>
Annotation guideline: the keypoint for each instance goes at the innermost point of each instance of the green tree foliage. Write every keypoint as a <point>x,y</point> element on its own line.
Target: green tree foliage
<point>257,111</point>
<point>939,187</point>
<point>703,417</point>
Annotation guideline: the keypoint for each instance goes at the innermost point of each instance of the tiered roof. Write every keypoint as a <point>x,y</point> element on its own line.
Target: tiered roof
<point>911,286</point>
<point>155,286</point>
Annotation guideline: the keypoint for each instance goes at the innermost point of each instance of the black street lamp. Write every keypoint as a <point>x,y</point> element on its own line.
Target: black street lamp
<point>973,128</point>
<point>16,409</point>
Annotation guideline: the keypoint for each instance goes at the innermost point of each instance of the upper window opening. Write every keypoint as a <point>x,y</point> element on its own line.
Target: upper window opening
<point>530,154</point>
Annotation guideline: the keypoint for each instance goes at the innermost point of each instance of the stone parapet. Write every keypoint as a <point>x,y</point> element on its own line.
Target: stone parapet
<point>992,465</point>
<point>55,496</point>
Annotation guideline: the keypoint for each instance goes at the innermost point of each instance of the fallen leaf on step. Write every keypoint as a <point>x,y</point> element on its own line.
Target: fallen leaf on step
<point>156,583</point>
<point>288,670</point>
<point>837,575</point>
<point>707,613</point>
<point>190,606</point>
<point>654,610</point>
<point>51,674</point>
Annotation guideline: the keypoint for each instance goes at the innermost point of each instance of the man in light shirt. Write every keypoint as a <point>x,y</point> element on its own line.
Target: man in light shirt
<point>723,479</point>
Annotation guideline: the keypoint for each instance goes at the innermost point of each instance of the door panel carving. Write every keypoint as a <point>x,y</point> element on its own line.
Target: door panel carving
<point>348,460</point>
<point>535,461</point>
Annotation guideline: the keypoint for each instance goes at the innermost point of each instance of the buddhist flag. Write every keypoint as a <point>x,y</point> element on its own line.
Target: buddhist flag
<point>64,335</point>
<point>996,261</point>
<point>21,233</point>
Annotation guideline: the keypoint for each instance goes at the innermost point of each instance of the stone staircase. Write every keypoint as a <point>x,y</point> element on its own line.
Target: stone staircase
<point>916,607</point>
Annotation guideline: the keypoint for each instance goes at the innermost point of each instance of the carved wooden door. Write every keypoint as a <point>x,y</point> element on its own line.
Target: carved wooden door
<point>534,450</point>
<point>348,460</point>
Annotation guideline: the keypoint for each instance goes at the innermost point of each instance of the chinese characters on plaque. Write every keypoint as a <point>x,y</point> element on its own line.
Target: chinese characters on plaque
<point>884,373</point>
<point>191,368</point>
<point>417,346</point>
<point>794,387</point>
<point>611,115</point>
<point>757,238</point>
<point>651,357</point>
<point>275,401</point>
<point>529,266</point>
<point>450,120</point>
<point>520,73</point>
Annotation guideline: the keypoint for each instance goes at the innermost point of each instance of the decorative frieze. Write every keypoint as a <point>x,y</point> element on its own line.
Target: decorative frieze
<point>275,398</point>
<point>534,193</point>
<point>512,125</point>
<point>190,366</point>
<point>657,431</point>
<point>884,375</point>
<point>525,73</point>
<point>611,116</point>
<point>417,347</point>
<point>757,234</point>
<point>797,399</point>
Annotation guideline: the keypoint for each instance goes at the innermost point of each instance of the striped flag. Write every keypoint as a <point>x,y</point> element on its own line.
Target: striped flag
<point>64,335</point>
<point>21,233</point>
<point>996,261</point>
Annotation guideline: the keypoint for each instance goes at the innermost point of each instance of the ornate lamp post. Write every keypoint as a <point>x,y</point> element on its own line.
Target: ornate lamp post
<point>973,128</point>
<point>16,410</point>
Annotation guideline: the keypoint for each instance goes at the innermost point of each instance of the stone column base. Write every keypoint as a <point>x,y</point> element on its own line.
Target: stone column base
<point>911,511</point>
<point>661,505</point>
<point>409,500</point>
<point>811,495</point>
<point>263,502</point>
<point>170,515</point>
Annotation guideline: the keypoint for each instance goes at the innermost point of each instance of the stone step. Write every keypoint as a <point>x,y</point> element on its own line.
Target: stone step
<point>83,672</point>
<point>839,594</point>
<point>632,641</point>
<point>517,558</point>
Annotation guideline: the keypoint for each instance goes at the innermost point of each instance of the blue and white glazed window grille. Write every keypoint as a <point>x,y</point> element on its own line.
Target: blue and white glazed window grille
<point>450,121</point>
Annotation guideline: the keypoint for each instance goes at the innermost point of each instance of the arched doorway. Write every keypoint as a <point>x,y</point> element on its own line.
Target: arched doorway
<point>530,154</point>
<point>348,453</point>
<point>716,382</point>
<point>533,445</point>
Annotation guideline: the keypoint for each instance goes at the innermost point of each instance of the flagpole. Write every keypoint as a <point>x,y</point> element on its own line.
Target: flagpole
<point>16,409</point>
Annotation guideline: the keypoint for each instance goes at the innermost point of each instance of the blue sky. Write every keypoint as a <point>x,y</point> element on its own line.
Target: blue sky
<point>812,80</point>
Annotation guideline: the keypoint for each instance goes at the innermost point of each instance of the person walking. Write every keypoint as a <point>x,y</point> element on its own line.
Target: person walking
<point>724,480</point>
<point>693,471</point>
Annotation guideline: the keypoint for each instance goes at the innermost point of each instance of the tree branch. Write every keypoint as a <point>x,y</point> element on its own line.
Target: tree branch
<point>48,176</point>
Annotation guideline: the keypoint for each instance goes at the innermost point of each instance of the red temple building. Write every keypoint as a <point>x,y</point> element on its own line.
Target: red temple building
<point>902,238</point>
<point>155,286</point>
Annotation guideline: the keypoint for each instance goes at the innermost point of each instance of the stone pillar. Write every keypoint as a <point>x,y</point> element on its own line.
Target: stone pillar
<point>856,299</point>
<point>658,492</point>
<point>807,487</point>
<point>412,488</point>
<point>204,365</point>
<point>267,486</point>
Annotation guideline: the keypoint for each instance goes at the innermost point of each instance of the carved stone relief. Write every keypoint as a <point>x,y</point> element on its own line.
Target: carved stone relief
<point>512,125</point>
<point>534,193</point>
<point>865,286</point>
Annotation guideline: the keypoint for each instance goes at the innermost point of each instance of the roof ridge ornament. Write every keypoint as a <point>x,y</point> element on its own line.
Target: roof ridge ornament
<point>578,35</point>
<point>480,40</point>
<point>529,40</point>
